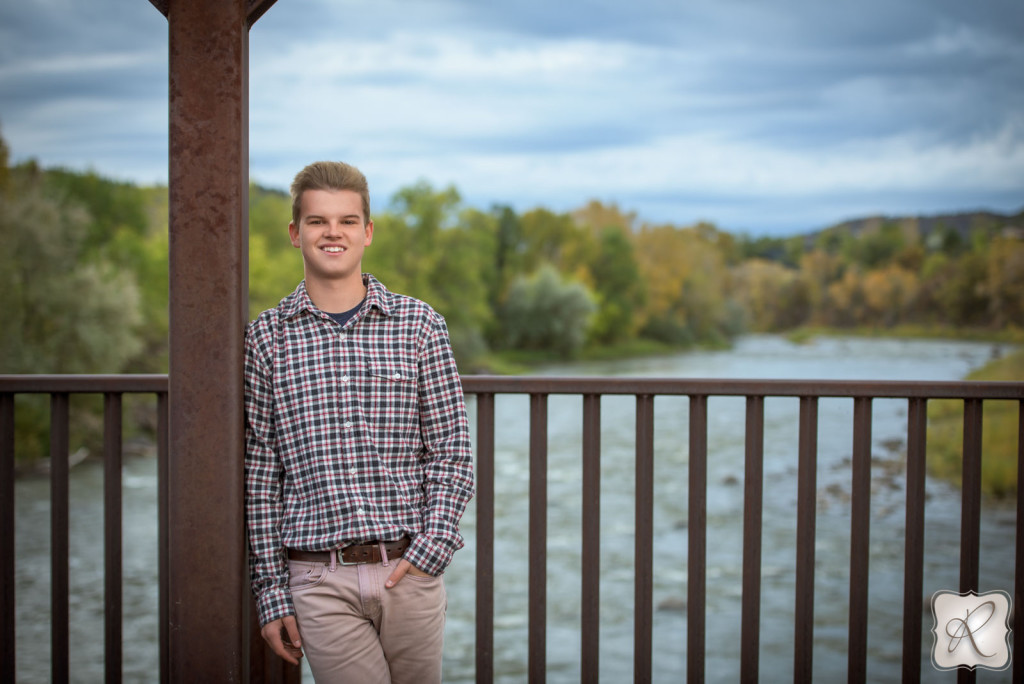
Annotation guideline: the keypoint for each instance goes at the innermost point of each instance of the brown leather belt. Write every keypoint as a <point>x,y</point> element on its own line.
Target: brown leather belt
<point>353,554</point>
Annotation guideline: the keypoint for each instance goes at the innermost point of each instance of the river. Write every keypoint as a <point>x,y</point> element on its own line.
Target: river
<point>752,357</point>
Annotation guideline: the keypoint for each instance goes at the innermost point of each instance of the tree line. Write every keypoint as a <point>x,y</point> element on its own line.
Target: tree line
<point>84,275</point>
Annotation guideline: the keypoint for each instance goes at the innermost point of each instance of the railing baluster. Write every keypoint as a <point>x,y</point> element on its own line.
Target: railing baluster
<point>860,535</point>
<point>970,491</point>
<point>913,570</point>
<point>484,538</point>
<point>7,651</point>
<point>803,653</point>
<point>696,525</point>
<point>1018,580</point>
<point>112,547</point>
<point>591,551</point>
<point>970,509</point>
<point>163,530</point>
<point>538,566</point>
<point>643,587</point>
<point>59,491</point>
<point>753,501</point>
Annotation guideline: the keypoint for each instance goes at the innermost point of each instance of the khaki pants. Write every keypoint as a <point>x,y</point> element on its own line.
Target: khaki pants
<point>354,631</point>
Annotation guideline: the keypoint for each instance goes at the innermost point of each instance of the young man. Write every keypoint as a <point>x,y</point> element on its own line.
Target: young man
<point>358,460</point>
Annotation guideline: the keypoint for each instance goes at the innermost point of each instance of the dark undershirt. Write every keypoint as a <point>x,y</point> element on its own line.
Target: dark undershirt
<point>344,317</point>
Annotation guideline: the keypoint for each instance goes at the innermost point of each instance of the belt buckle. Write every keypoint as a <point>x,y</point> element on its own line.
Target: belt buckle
<point>341,557</point>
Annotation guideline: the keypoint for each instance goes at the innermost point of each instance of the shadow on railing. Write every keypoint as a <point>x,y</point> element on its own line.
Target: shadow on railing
<point>485,389</point>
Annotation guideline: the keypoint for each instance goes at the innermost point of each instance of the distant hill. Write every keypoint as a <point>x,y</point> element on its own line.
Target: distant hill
<point>962,224</point>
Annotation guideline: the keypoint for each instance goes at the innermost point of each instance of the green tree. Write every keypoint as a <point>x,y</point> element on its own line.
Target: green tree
<point>63,313</point>
<point>275,266</point>
<point>420,248</point>
<point>619,287</point>
<point>544,312</point>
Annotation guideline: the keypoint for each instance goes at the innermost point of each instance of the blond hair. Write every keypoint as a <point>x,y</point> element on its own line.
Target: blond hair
<point>326,175</point>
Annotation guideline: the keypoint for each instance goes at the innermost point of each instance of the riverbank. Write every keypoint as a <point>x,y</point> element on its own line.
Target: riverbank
<point>1009,335</point>
<point>999,476</point>
<point>518,362</point>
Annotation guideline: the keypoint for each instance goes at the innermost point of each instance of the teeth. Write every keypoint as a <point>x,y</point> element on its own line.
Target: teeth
<point>334,250</point>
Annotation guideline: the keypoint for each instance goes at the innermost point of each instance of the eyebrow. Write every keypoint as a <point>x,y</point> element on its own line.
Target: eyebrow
<point>319,216</point>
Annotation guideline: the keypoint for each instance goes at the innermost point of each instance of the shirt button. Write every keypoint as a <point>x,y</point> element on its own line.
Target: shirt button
<point>348,424</point>
<point>342,337</point>
<point>352,472</point>
<point>359,511</point>
<point>344,378</point>
<point>397,376</point>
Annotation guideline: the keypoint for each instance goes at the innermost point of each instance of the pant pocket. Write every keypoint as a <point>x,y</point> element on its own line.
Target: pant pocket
<point>304,575</point>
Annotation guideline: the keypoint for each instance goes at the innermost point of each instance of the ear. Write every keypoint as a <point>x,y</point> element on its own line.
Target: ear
<point>293,233</point>
<point>368,230</point>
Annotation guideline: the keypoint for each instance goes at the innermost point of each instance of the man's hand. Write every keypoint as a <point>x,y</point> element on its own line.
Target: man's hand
<point>400,571</point>
<point>283,637</point>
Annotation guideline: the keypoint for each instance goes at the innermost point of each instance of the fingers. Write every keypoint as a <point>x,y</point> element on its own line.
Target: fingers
<point>403,568</point>
<point>291,630</point>
<point>282,635</point>
<point>398,573</point>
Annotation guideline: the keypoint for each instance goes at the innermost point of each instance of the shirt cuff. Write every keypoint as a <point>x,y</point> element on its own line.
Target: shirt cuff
<point>427,555</point>
<point>273,605</point>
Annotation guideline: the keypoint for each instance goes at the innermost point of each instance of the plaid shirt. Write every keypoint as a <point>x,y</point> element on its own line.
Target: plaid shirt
<point>354,433</point>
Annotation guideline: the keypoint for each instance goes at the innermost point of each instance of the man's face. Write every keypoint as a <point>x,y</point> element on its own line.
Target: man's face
<point>332,234</point>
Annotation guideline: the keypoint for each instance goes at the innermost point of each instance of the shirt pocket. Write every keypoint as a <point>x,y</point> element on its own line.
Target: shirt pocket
<point>392,394</point>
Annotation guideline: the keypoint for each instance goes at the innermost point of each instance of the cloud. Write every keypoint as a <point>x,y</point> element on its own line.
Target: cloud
<point>755,116</point>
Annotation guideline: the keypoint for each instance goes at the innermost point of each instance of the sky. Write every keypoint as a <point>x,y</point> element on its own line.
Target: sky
<point>764,118</point>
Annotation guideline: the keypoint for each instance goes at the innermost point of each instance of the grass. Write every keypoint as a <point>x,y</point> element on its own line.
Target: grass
<point>999,432</point>
<point>1008,335</point>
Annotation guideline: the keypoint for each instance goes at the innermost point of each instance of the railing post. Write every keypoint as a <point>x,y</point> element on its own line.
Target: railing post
<point>697,541</point>
<point>970,510</point>
<point>913,564</point>
<point>1018,579</point>
<point>590,570</point>
<point>485,538</point>
<point>753,504</point>
<point>112,536</point>
<point>806,511</point>
<point>538,564</point>
<point>860,535</point>
<point>643,590</point>
<point>59,537</point>
<point>7,651</point>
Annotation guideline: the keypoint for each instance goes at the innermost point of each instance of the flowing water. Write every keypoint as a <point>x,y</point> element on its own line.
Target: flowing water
<point>752,357</point>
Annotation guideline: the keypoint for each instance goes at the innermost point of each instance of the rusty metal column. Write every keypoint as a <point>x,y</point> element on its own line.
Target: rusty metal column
<point>209,170</point>
<point>208,600</point>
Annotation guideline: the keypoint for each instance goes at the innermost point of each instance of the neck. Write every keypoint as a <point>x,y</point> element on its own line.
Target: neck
<point>335,296</point>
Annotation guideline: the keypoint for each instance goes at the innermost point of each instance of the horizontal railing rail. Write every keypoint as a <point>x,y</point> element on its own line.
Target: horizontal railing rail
<point>591,389</point>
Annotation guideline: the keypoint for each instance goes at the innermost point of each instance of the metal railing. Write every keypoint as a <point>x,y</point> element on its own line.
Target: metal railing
<point>539,390</point>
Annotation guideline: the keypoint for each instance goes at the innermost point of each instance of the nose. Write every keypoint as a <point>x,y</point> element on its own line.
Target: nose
<point>333,229</point>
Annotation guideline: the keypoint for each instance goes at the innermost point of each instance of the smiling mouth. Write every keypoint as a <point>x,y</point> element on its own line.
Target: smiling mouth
<point>333,249</point>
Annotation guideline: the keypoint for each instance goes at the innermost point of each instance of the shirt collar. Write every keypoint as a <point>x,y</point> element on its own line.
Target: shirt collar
<point>298,301</point>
